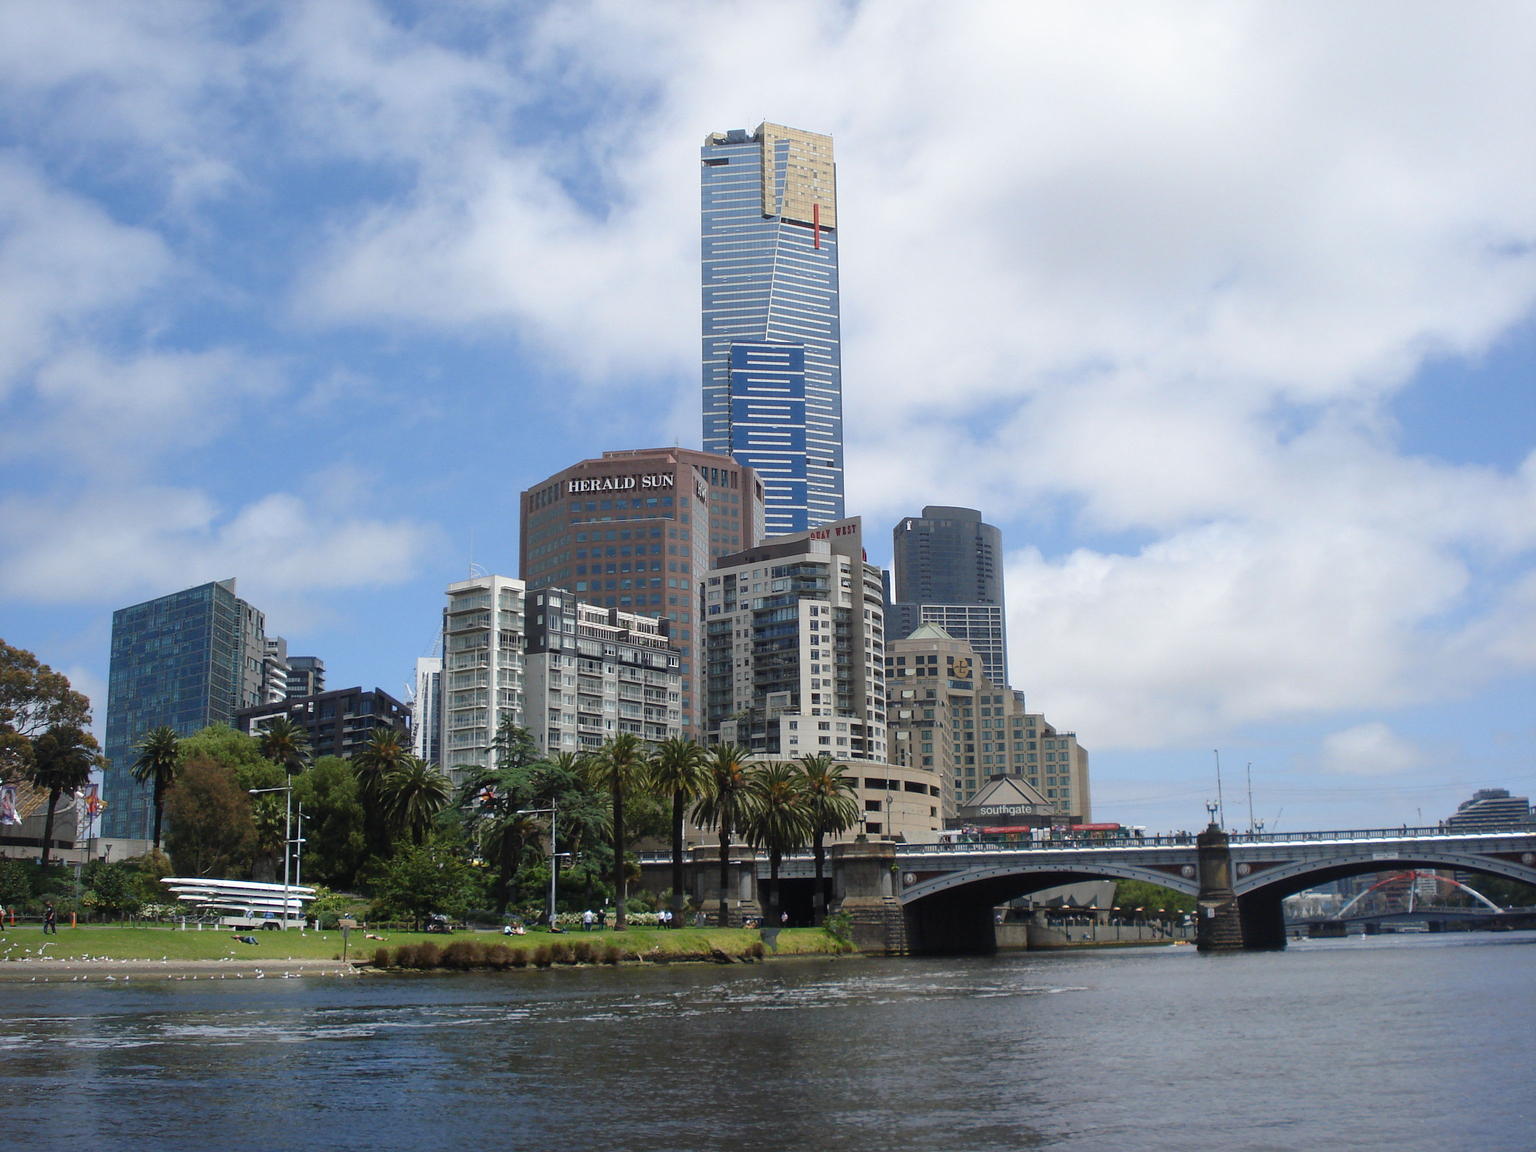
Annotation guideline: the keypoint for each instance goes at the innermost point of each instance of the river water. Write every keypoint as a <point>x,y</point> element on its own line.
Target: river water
<point>1401,1043</point>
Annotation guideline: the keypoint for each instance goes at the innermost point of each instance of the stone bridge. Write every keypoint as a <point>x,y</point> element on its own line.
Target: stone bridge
<point>934,898</point>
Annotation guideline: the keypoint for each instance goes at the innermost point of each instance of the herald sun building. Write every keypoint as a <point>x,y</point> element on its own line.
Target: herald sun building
<point>637,530</point>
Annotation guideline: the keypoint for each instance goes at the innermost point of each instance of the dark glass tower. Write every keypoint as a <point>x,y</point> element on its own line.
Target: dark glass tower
<point>185,661</point>
<point>772,358</point>
<point>948,569</point>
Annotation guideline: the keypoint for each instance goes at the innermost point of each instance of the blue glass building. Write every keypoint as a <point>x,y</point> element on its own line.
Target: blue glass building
<point>186,661</point>
<point>772,355</point>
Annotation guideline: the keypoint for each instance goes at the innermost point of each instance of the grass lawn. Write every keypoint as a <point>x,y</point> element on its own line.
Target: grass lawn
<point>170,943</point>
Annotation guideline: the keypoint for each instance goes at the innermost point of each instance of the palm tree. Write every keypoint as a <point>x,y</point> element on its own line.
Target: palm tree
<point>62,759</point>
<point>383,756</point>
<point>778,818</point>
<point>834,807</point>
<point>412,796</point>
<point>619,766</point>
<point>159,754</point>
<point>284,743</point>
<point>678,767</point>
<point>724,804</point>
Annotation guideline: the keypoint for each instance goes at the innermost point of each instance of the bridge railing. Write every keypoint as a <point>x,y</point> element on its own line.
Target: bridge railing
<point>1156,840</point>
<point>1187,839</point>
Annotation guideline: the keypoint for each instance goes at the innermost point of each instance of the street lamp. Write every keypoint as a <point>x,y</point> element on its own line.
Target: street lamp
<point>554,860</point>
<point>287,790</point>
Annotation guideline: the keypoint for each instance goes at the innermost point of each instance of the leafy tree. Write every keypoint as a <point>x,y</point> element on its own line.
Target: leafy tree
<point>333,827</point>
<point>677,769</point>
<point>834,808</point>
<point>1140,894</point>
<point>212,832</point>
<point>284,743</point>
<point>110,888</point>
<point>62,759</point>
<point>148,870</point>
<point>724,804</point>
<point>619,767</point>
<point>778,818</point>
<point>157,763</point>
<point>419,879</point>
<point>240,753</point>
<point>15,882</point>
<point>33,699</point>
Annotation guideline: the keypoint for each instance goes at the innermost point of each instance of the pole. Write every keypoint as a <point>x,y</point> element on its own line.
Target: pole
<point>554,864</point>
<point>1221,808</point>
<point>287,848</point>
<point>298,855</point>
<point>1250,798</point>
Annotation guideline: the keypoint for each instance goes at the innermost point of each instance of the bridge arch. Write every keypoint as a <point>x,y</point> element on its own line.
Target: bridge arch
<point>953,911</point>
<point>1295,876</point>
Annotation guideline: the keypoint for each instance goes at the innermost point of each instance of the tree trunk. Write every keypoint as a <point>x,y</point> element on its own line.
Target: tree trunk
<point>53,802</point>
<point>678,806</point>
<point>771,915</point>
<point>725,873</point>
<point>620,881</point>
<point>819,893</point>
<point>159,811</point>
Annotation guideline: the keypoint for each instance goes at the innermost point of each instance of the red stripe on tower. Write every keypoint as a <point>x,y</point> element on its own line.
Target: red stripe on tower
<point>816,225</point>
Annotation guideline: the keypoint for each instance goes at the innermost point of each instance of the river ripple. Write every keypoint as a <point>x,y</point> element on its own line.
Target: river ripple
<point>1408,1043</point>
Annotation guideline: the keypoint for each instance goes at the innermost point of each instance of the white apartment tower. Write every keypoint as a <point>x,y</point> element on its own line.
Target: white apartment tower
<point>795,647</point>
<point>594,672</point>
<point>484,629</point>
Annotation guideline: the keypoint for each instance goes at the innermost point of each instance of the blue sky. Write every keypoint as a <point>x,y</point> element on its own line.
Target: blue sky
<point>1226,315</point>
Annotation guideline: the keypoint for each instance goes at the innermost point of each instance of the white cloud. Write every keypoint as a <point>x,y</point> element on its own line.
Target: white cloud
<point>121,415</point>
<point>63,263</point>
<point>112,545</point>
<point>1369,750</point>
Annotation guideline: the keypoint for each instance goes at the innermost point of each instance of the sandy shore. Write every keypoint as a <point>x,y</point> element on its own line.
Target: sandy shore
<point>73,971</point>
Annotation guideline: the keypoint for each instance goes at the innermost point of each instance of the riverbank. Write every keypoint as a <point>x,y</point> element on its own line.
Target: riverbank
<point>108,953</point>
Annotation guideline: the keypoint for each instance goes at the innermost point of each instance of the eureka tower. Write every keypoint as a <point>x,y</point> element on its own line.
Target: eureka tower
<point>771,342</point>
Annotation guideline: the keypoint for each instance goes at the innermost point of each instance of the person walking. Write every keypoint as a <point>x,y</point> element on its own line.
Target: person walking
<point>50,920</point>
<point>586,920</point>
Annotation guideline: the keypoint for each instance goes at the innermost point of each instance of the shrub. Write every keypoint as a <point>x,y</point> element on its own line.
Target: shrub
<point>381,957</point>
<point>612,954</point>
<point>839,925</point>
<point>543,956</point>
<point>462,955</point>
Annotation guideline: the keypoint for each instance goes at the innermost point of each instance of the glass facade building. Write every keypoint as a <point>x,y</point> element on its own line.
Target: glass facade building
<point>772,358</point>
<point>184,661</point>
<point>948,569</point>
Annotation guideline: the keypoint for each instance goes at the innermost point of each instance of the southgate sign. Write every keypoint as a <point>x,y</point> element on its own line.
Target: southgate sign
<point>649,480</point>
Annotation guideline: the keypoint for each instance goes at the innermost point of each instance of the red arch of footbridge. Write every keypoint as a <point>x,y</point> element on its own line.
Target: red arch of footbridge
<point>1061,872</point>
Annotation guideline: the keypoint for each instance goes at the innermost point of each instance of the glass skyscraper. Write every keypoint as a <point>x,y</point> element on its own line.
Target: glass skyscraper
<point>772,353</point>
<point>948,566</point>
<point>186,661</point>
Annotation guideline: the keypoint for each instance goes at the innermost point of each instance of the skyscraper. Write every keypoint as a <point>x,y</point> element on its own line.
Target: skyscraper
<point>948,569</point>
<point>185,661</point>
<point>772,352</point>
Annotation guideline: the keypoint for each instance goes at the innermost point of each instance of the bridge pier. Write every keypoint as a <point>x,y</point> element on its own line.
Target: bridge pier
<point>1219,921</point>
<point>864,887</point>
<point>740,895</point>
